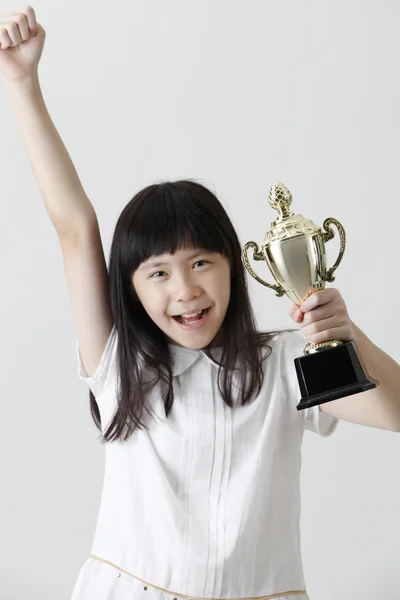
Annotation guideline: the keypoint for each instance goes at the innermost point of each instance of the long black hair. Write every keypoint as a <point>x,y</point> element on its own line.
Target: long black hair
<point>162,218</point>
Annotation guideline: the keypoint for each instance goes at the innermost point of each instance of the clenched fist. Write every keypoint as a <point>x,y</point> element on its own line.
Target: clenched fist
<point>21,44</point>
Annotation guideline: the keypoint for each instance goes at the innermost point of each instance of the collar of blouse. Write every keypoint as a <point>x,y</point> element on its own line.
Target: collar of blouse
<point>183,358</point>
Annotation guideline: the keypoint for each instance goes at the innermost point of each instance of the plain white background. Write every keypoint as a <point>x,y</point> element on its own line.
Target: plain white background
<point>236,95</point>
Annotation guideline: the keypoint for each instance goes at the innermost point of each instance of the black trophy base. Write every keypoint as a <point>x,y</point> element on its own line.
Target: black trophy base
<point>330,374</point>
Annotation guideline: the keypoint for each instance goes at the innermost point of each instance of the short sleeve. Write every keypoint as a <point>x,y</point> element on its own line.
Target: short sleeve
<point>315,420</point>
<point>107,367</point>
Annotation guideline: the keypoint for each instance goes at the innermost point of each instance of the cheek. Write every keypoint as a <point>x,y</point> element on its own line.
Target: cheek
<point>146,297</point>
<point>223,287</point>
<point>153,305</point>
<point>156,306</point>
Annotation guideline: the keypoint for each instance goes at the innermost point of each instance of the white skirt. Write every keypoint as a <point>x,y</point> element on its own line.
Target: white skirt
<point>100,580</point>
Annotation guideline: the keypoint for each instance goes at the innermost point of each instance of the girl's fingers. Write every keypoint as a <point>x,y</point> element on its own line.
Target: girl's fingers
<point>30,16</point>
<point>5,41</point>
<point>317,314</point>
<point>15,30</point>
<point>296,313</point>
<point>325,330</point>
<point>23,26</point>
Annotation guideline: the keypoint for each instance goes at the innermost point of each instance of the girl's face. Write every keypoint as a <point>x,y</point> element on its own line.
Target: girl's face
<point>174,288</point>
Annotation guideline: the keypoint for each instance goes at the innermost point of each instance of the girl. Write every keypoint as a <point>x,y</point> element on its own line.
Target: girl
<point>197,409</point>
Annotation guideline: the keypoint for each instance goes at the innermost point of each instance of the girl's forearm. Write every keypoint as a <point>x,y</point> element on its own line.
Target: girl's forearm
<point>64,197</point>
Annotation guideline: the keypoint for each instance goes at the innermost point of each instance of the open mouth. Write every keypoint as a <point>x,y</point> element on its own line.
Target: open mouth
<point>196,320</point>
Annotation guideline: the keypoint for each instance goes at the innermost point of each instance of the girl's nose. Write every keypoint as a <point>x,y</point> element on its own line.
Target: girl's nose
<point>186,290</point>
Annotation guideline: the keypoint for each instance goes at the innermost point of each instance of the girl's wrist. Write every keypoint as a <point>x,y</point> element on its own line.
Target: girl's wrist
<point>28,83</point>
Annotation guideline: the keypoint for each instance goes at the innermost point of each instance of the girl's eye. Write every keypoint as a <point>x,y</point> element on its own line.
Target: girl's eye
<point>157,273</point>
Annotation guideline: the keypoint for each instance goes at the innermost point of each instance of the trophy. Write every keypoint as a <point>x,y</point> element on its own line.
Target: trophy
<point>294,250</point>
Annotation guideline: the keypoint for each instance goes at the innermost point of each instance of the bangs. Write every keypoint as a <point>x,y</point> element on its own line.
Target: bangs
<point>166,222</point>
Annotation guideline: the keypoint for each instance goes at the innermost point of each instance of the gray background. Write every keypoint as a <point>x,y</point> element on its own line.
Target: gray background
<point>237,95</point>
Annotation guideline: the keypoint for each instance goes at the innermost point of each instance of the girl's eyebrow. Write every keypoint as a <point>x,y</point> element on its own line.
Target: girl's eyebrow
<point>154,263</point>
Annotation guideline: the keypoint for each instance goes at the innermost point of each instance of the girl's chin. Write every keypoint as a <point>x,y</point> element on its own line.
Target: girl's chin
<point>195,340</point>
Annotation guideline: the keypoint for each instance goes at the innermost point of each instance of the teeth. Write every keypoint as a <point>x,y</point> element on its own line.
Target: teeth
<point>187,315</point>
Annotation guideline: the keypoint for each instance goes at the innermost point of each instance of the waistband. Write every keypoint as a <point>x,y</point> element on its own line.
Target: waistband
<point>176,594</point>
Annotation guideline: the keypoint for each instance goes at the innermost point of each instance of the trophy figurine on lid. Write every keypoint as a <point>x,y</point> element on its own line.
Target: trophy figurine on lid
<point>294,250</point>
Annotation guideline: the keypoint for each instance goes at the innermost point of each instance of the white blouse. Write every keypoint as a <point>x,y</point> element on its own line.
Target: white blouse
<point>205,503</point>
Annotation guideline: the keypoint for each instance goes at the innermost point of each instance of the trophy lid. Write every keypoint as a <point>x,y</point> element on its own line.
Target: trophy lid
<point>288,225</point>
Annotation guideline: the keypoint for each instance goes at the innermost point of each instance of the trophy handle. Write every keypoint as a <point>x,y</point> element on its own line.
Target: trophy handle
<point>257,255</point>
<point>330,234</point>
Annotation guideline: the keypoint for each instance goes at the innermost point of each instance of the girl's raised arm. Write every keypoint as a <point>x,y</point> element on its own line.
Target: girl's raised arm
<point>69,209</point>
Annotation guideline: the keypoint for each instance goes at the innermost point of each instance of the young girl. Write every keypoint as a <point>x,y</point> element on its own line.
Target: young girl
<point>197,409</point>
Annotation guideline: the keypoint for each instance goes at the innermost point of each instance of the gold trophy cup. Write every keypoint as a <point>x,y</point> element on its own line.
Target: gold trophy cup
<point>294,250</point>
